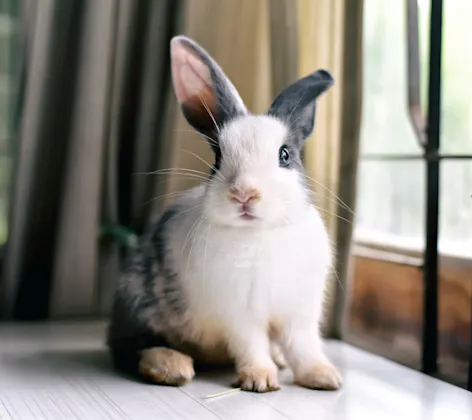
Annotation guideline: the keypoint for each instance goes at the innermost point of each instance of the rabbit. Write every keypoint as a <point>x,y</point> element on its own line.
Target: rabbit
<point>233,272</point>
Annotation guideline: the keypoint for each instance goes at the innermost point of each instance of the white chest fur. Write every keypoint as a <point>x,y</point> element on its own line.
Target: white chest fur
<point>244,275</point>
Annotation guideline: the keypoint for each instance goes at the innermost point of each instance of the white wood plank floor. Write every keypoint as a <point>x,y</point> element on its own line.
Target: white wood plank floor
<point>61,371</point>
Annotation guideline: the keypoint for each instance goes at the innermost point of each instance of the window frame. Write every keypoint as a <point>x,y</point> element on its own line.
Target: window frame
<point>429,259</point>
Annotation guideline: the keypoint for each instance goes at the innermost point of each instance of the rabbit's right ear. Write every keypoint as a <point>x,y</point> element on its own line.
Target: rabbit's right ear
<point>207,97</point>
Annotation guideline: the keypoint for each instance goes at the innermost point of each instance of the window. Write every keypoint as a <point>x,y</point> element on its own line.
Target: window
<point>392,192</point>
<point>7,98</point>
<point>386,313</point>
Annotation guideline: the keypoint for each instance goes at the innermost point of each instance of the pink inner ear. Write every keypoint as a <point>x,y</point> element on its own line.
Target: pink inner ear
<point>191,77</point>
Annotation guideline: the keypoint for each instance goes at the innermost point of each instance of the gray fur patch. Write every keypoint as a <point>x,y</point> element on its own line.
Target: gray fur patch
<point>296,105</point>
<point>170,290</point>
<point>148,300</point>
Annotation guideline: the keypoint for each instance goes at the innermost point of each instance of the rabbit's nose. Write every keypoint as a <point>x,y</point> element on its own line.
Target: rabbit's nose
<point>244,196</point>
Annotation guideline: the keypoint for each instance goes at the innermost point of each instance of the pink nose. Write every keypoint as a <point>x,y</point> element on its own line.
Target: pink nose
<point>243,196</point>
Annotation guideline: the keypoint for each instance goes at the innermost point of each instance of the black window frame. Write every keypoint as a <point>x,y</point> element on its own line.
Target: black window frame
<point>428,132</point>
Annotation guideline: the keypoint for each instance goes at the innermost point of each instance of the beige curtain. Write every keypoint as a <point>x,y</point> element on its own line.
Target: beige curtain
<point>330,36</point>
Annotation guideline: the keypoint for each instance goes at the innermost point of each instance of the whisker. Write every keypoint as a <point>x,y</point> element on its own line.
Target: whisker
<point>180,177</point>
<point>295,107</point>
<point>298,103</point>
<point>184,174</point>
<point>199,158</point>
<point>209,112</point>
<point>321,209</point>
<point>157,171</point>
<point>333,214</point>
<point>182,212</point>
<point>331,200</point>
<point>217,172</point>
<point>205,253</point>
<point>205,142</point>
<point>181,173</point>
<point>294,121</point>
<point>340,283</point>
<point>327,189</point>
<point>163,196</point>
<point>211,140</point>
<point>194,224</point>
<point>201,218</point>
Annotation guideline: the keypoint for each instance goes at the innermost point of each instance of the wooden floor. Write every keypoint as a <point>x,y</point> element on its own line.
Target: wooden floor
<point>61,371</point>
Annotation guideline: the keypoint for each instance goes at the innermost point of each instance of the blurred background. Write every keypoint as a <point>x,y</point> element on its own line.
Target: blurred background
<point>87,109</point>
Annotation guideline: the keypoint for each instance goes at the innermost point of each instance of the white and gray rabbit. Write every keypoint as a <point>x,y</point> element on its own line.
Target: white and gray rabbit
<point>234,271</point>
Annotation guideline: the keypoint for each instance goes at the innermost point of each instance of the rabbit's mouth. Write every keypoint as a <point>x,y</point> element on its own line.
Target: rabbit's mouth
<point>247,216</point>
<point>246,213</point>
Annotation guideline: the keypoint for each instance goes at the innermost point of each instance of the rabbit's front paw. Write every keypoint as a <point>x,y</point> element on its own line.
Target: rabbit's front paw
<point>321,376</point>
<point>166,367</point>
<point>257,379</point>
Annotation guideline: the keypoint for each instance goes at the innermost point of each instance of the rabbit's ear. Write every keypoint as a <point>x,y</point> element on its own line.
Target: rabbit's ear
<point>296,104</point>
<point>207,97</point>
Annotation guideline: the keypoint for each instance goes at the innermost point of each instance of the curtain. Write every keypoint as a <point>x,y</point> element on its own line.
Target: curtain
<point>99,114</point>
<point>96,82</point>
<point>330,36</point>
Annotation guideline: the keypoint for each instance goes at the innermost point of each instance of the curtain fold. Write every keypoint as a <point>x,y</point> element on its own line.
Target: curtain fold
<point>351,107</point>
<point>284,43</point>
<point>41,144</point>
<point>329,35</point>
<point>95,74</point>
<point>76,249</point>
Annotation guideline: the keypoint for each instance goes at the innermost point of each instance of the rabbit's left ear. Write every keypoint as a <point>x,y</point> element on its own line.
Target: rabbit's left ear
<point>207,97</point>
<point>296,104</point>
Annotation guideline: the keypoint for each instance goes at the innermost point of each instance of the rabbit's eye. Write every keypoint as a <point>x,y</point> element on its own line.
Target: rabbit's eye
<point>284,156</point>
